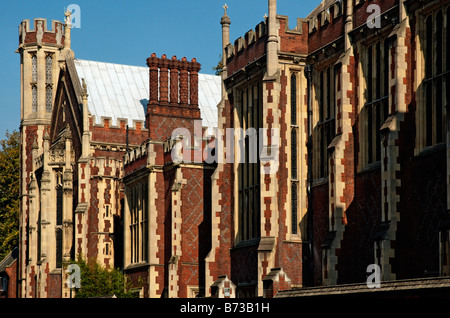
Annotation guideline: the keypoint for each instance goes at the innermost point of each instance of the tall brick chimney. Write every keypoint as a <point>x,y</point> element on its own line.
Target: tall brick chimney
<point>173,101</point>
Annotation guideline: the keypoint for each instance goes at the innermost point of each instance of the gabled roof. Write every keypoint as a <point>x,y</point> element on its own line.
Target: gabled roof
<point>9,260</point>
<point>122,91</point>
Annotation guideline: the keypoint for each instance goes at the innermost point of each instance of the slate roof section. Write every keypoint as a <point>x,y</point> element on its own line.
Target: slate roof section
<point>121,92</point>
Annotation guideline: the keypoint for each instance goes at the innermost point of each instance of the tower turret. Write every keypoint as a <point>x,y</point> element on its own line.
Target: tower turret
<point>41,49</point>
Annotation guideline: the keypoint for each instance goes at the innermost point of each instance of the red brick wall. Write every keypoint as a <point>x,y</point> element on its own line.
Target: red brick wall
<point>118,134</point>
<point>225,182</point>
<point>12,282</point>
<point>249,54</point>
<point>54,282</point>
<point>326,34</point>
<point>292,42</point>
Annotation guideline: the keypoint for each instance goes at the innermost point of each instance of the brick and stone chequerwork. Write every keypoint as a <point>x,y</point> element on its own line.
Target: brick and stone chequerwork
<point>345,109</point>
<point>177,192</point>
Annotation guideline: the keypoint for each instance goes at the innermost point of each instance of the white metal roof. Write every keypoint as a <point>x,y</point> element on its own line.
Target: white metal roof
<point>122,91</point>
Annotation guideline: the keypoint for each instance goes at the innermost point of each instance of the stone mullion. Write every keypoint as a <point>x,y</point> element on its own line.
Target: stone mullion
<point>176,224</point>
<point>155,237</point>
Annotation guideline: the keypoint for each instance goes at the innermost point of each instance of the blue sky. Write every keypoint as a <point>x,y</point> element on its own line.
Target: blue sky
<point>127,32</point>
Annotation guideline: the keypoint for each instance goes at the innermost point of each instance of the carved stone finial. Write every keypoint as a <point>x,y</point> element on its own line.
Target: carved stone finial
<point>68,18</point>
<point>35,145</point>
<point>84,92</point>
<point>46,136</point>
<point>68,133</point>
<point>225,19</point>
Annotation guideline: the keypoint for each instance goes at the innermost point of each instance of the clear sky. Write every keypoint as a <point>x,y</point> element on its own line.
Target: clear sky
<point>127,32</point>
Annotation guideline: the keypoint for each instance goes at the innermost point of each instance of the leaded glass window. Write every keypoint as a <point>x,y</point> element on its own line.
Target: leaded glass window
<point>293,99</point>
<point>139,222</point>
<point>34,68</point>
<point>294,156</point>
<point>250,118</point>
<point>48,68</point>
<point>294,206</point>
<point>294,164</point>
<point>34,99</point>
<point>48,98</point>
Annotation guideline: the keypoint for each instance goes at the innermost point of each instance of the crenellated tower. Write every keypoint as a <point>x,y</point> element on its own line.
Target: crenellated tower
<point>42,48</point>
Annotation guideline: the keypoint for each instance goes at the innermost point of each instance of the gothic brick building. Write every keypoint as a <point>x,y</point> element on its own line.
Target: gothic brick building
<point>358,92</point>
<point>346,114</point>
<point>78,118</point>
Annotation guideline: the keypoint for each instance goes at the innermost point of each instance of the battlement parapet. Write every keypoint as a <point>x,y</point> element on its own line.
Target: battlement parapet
<point>39,33</point>
<point>121,123</point>
<point>292,41</point>
<point>324,16</point>
<point>243,43</point>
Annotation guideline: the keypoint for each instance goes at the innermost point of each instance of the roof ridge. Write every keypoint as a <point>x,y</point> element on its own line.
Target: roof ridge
<point>110,63</point>
<point>121,64</point>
